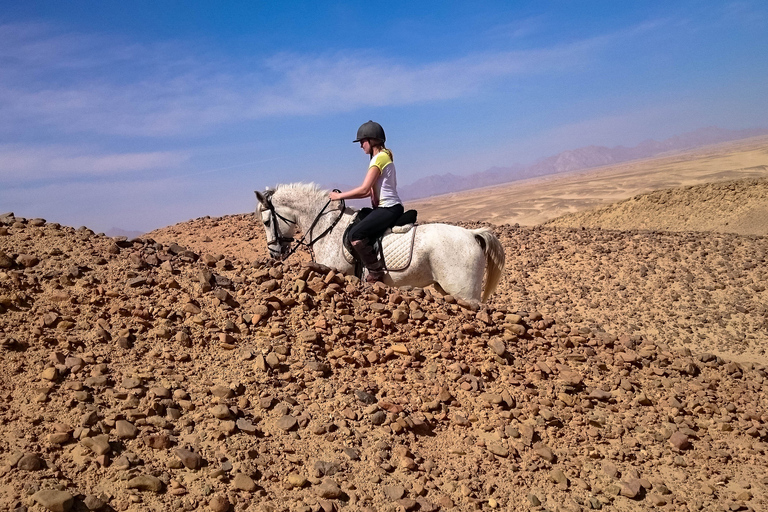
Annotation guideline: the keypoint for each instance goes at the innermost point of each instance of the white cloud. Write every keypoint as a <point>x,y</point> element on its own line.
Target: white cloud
<point>87,83</point>
<point>19,164</point>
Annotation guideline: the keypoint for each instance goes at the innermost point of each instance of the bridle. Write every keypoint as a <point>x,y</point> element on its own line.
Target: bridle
<point>281,240</point>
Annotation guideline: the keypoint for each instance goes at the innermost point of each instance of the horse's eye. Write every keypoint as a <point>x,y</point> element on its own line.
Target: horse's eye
<point>266,222</point>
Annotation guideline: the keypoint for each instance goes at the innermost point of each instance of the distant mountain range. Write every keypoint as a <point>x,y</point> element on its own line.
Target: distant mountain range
<point>122,232</point>
<point>572,160</point>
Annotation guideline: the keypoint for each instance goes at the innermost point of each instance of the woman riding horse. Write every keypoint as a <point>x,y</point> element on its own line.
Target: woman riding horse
<point>380,184</point>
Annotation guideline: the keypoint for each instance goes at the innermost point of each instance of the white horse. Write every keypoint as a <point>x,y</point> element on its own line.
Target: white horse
<point>451,258</point>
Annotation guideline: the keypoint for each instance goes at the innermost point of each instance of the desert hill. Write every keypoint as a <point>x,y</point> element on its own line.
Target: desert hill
<point>574,160</point>
<point>184,371</point>
<point>736,206</point>
<point>535,201</point>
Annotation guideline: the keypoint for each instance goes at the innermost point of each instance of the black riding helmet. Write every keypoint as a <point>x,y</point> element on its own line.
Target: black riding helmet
<point>370,130</point>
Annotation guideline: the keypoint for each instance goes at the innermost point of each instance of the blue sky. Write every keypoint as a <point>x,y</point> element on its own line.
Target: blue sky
<point>142,114</point>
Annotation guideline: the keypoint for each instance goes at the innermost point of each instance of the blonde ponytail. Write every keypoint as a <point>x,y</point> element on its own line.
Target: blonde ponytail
<point>382,147</point>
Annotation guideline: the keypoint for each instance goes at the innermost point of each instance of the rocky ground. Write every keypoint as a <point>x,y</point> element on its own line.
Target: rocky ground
<point>185,371</point>
<point>733,206</point>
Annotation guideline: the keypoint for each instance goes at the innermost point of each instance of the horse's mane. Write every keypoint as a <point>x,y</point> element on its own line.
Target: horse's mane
<point>299,194</point>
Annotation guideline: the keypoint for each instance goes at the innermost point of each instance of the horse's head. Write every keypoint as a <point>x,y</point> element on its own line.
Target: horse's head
<point>279,223</point>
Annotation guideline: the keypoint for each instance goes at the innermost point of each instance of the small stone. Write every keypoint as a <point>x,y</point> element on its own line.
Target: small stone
<point>610,470</point>
<point>631,489</point>
<point>98,444</point>
<point>394,492</point>
<point>131,382</point>
<point>497,346</point>
<point>308,337</point>
<point>378,418</point>
<point>219,503</point>
<point>643,399</point>
<point>351,453</point>
<point>544,451</point>
<point>158,441</point>
<point>55,501</point>
<point>30,462</point>
<point>125,429</point>
<point>145,483</point>
<point>243,483</point>
<point>444,395</point>
<point>272,360</point>
<point>329,489</point>
<point>260,363</point>
<point>296,481</point>
<point>6,261</point>
<point>246,426</point>
<point>399,316</point>
<point>680,441</point>
<point>365,397</point>
<point>287,423</point>
<point>497,449</point>
<point>27,260</point>
<point>50,374</point>
<point>222,391</point>
<point>221,412</point>
<point>59,438</point>
<point>190,459</point>
<point>571,378</point>
<point>92,502</point>
<point>136,282</point>
<point>599,394</point>
<point>492,398</point>
<point>527,434</point>
<point>460,420</point>
<point>557,476</point>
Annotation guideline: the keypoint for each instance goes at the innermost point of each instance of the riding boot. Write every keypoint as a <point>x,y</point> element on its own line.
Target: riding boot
<point>370,260</point>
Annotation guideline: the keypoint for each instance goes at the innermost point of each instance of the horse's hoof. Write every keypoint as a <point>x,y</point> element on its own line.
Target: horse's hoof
<point>374,277</point>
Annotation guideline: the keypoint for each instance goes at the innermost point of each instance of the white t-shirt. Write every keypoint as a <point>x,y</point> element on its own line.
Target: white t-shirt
<point>385,187</point>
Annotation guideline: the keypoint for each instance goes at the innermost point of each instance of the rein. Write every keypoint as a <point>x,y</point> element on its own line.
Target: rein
<point>279,239</point>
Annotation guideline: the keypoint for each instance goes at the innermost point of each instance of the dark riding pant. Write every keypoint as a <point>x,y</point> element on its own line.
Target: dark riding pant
<point>376,223</point>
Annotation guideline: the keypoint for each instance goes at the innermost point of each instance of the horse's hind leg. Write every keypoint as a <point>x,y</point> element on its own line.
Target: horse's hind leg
<point>464,281</point>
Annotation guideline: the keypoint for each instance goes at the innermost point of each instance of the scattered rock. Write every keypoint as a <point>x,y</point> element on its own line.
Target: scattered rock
<point>243,483</point>
<point>190,459</point>
<point>55,501</point>
<point>219,503</point>
<point>416,401</point>
<point>145,483</point>
<point>30,462</point>
<point>680,441</point>
<point>287,423</point>
<point>329,489</point>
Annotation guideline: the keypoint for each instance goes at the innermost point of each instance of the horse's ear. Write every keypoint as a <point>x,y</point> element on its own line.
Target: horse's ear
<point>264,197</point>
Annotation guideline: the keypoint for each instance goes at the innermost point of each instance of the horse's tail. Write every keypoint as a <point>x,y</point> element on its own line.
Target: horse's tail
<point>494,259</point>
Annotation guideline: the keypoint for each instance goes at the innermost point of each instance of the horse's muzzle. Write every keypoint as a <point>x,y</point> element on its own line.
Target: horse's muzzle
<point>280,254</point>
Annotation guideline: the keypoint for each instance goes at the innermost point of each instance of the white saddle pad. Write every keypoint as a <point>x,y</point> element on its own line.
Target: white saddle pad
<point>397,245</point>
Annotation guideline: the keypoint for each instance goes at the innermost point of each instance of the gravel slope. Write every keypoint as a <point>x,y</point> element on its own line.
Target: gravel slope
<point>735,206</point>
<point>180,372</point>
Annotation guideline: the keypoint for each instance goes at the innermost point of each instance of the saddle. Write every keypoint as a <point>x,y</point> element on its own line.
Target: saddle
<point>394,247</point>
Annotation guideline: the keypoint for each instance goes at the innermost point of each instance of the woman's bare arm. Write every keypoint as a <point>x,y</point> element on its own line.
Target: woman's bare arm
<point>364,190</point>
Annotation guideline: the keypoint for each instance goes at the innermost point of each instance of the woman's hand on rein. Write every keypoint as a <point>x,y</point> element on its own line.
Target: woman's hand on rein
<point>335,196</point>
